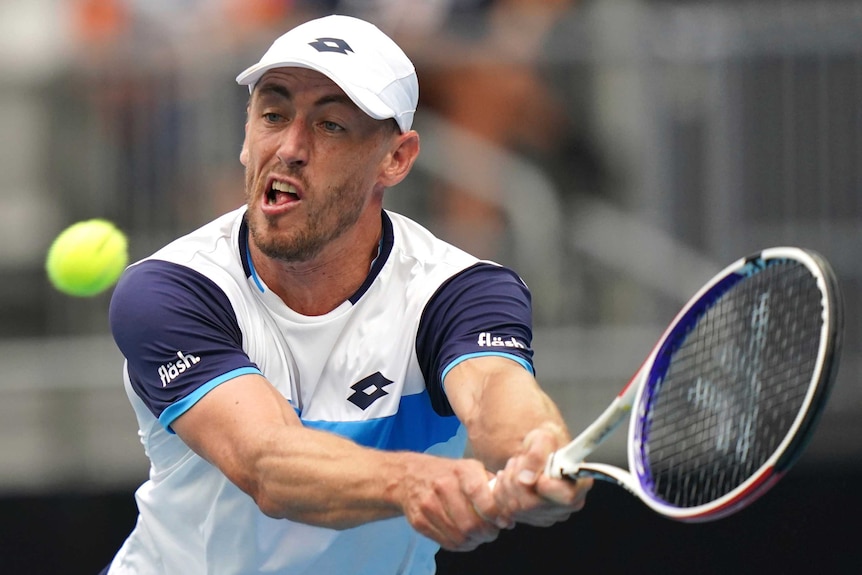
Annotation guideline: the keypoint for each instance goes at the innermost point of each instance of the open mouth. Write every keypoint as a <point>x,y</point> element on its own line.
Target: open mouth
<point>281,193</point>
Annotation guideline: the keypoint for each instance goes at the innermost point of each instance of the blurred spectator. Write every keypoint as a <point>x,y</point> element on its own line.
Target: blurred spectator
<point>481,68</point>
<point>144,86</point>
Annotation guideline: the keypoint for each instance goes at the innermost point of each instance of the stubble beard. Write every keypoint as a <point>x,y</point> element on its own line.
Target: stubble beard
<point>327,219</point>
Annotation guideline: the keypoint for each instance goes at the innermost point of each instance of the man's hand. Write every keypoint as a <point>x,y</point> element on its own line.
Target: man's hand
<point>450,501</point>
<point>524,494</point>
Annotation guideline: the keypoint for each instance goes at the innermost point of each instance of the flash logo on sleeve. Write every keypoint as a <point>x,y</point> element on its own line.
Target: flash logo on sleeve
<point>170,371</point>
<point>488,340</point>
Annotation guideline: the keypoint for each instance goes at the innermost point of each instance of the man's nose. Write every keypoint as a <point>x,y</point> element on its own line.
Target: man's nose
<point>294,144</point>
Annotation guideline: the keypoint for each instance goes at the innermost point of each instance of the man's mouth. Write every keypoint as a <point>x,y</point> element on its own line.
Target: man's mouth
<point>281,193</point>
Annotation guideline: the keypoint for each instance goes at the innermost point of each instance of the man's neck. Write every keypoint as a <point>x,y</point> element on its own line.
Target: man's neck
<point>320,285</point>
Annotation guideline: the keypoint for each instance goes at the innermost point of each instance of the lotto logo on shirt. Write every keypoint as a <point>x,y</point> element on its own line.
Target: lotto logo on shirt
<point>170,371</point>
<point>488,340</point>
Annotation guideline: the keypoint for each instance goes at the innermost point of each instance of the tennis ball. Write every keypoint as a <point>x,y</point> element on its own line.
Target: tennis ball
<point>87,258</point>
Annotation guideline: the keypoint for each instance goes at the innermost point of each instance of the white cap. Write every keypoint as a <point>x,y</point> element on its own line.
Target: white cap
<point>367,64</point>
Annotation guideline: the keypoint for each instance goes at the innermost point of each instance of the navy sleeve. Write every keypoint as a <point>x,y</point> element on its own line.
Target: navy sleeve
<point>484,310</point>
<point>178,333</point>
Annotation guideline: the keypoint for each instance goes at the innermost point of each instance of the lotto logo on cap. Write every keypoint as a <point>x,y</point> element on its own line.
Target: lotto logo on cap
<point>368,65</point>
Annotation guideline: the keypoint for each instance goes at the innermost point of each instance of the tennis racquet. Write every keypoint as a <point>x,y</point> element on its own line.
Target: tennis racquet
<point>727,399</point>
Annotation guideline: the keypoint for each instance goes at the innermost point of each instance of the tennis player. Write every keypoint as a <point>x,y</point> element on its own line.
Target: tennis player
<point>306,371</point>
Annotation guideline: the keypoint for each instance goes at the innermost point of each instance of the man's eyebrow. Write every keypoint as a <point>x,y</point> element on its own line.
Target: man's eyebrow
<point>334,99</point>
<point>276,89</point>
<point>283,92</point>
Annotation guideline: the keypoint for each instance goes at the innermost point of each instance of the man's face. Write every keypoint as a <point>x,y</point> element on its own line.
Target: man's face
<point>312,160</point>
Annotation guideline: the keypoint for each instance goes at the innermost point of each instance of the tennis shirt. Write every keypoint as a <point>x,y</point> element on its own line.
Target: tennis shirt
<point>195,314</point>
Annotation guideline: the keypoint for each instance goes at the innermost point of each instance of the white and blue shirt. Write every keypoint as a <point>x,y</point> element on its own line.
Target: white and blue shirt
<point>195,314</point>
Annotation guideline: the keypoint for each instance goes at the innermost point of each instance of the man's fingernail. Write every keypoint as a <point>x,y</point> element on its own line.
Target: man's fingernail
<point>527,477</point>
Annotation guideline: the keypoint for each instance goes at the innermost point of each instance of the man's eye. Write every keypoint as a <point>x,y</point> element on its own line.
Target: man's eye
<point>272,116</point>
<point>331,126</point>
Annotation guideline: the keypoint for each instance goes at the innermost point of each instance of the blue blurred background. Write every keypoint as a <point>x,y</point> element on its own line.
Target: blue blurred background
<point>617,153</point>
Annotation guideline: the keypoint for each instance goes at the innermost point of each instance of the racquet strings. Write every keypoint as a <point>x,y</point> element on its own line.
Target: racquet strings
<point>731,385</point>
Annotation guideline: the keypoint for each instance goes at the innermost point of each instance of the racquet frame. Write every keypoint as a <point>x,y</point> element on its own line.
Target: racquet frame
<point>629,403</point>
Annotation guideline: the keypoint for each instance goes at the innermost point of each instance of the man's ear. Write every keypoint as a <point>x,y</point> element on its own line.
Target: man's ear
<point>400,160</point>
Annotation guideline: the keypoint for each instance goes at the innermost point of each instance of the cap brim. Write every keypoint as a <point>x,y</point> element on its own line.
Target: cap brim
<point>366,100</point>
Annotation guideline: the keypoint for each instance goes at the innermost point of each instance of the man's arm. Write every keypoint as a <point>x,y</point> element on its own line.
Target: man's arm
<point>513,426</point>
<point>251,433</point>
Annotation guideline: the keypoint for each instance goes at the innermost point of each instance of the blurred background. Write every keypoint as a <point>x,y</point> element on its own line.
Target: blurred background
<point>617,153</point>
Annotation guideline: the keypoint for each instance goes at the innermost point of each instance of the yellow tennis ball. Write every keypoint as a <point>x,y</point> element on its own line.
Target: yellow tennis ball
<point>87,258</point>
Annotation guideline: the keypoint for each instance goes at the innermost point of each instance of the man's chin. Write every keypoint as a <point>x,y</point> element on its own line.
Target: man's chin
<point>283,249</point>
